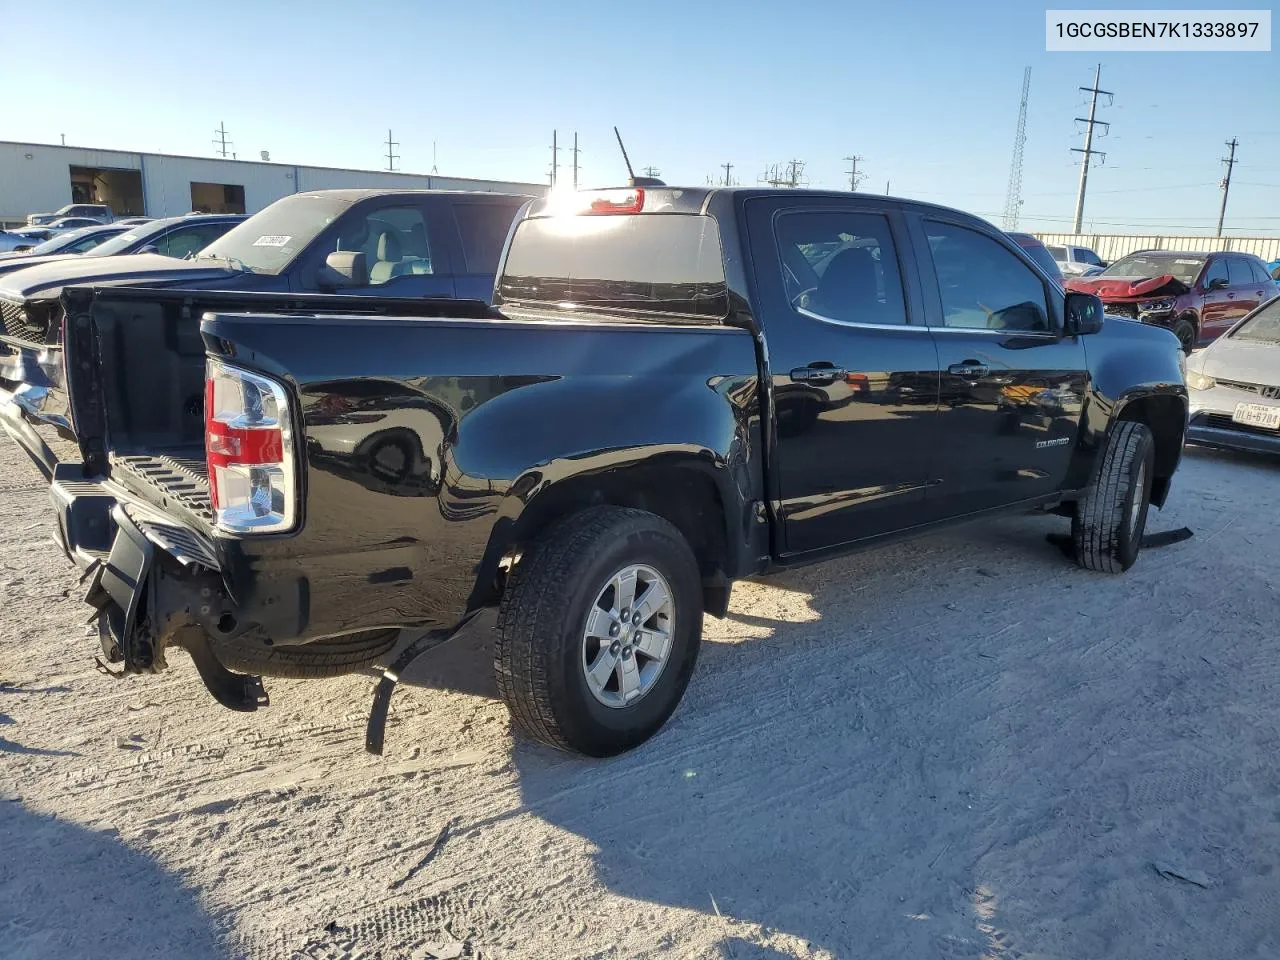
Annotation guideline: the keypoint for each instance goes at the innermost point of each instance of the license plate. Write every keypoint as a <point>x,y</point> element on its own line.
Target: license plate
<point>1257,415</point>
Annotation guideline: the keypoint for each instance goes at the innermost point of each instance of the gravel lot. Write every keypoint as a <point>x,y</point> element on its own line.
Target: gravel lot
<point>960,747</point>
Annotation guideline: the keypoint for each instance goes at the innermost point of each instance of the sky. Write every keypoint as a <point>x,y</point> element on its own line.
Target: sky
<point>925,93</point>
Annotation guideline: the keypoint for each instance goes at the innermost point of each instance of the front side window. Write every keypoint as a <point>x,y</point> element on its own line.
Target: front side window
<point>842,266</point>
<point>393,239</point>
<point>1216,273</point>
<point>983,286</point>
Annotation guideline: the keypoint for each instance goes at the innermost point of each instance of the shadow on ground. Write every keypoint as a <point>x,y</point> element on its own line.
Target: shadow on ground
<point>91,897</point>
<point>959,747</point>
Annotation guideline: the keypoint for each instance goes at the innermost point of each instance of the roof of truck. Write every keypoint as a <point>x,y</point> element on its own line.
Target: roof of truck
<point>353,194</point>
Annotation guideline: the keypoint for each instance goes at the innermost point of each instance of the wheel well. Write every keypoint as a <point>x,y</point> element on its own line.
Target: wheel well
<point>1166,418</point>
<point>687,498</point>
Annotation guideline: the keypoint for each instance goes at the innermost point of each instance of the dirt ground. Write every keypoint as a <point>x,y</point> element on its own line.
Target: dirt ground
<point>959,747</point>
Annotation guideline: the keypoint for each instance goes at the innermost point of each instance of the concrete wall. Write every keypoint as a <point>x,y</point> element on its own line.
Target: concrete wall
<point>35,178</point>
<point>1113,246</point>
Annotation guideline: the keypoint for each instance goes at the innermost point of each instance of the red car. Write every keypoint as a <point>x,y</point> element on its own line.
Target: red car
<point>1199,296</point>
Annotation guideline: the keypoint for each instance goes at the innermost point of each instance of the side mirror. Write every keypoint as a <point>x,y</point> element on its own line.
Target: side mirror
<point>149,248</point>
<point>1217,283</point>
<point>344,268</point>
<point>1083,314</point>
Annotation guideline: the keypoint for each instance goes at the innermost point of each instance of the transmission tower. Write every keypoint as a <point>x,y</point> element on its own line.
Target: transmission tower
<point>1013,194</point>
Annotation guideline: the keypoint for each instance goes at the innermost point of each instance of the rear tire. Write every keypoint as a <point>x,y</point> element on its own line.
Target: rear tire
<point>554,598</point>
<point>330,657</point>
<point>1185,330</point>
<point>1106,531</point>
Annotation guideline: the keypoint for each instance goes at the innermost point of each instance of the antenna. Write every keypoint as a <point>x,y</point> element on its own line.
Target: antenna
<point>625,159</point>
<point>1013,193</point>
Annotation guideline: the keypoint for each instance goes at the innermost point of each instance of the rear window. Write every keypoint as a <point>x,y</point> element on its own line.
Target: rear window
<point>669,264</point>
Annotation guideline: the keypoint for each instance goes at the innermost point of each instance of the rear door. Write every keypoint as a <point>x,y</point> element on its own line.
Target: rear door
<point>1245,292</point>
<point>854,370</point>
<point>482,224</point>
<point>1218,300</point>
<point>1012,386</point>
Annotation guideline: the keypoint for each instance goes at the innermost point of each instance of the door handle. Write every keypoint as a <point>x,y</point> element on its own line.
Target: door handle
<point>815,373</point>
<point>1231,296</point>
<point>970,368</point>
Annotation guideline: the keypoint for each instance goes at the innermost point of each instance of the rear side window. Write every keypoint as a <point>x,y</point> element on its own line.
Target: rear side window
<point>983,286</point>
<point>1058,253</point>
<point>1259,269</point>
<point>670,264</point>
<point>483,228</point>
<point>1087,256</point>
<point>841,266</point>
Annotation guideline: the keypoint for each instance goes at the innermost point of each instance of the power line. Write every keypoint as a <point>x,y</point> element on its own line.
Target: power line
<point>1230,161</point>
<point>221,144</point>
<point>392,156</point>
<point>1088,151</point>
<point>1013,193</point>
<point>855,177</point>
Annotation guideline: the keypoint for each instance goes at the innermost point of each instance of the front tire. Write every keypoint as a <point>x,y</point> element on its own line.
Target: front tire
<point>1107,528</point>
<point>598,631</point>
<point>1188,336</point>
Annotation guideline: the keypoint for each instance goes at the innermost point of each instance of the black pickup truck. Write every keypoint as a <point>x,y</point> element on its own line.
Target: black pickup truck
<point>368,243</point>
<point>675,388</point>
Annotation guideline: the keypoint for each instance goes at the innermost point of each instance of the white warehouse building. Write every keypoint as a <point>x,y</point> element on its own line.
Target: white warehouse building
<point>41,178</point>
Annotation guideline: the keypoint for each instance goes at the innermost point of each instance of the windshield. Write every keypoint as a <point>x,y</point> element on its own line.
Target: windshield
<point>267,242</point>
<point>1262,326</point>
<point>61,241</point>
<point>123,241</point>
<point>1148,265</point>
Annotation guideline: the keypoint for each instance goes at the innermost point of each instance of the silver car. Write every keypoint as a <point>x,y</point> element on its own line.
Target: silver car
<point>1235,385</point>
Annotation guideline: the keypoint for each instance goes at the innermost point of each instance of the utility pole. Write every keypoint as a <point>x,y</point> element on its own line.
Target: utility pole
<point>886,188</point>
<point>435,170</point>
<point>221,145</point>
<point>576,151</point>
<point>392,156</point>
<point>1013,193</point>
<point>651,171</point>
<point>64,139</point>
<point>1088,151</point>
<point>555,158</point>
<point>728,174</point>
<point>855,177</point>
<point>1230,161</point>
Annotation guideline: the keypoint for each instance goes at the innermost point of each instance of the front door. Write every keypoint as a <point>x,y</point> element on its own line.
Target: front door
<point>854,371</point>
<point>1219,306</point>
<point>1012,386</point>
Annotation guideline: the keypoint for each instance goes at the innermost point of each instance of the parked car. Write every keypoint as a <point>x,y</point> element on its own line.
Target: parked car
<point>1274,269</point>
<point>597,456</point>
<point>1039,253</point>
<point>28,238</point>
<point>1235,386</point>
<point>64,242</point>
<point>13,241</point>
<point>97,212</point>
<point>72,223</point>
<point>1076,261</point>
<point>1199,296</point>
<point>374,243</point>
<point>174,237</point>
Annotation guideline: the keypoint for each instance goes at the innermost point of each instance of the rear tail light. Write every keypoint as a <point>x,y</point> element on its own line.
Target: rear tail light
<point>586,202</point>
<point>249,444</point>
